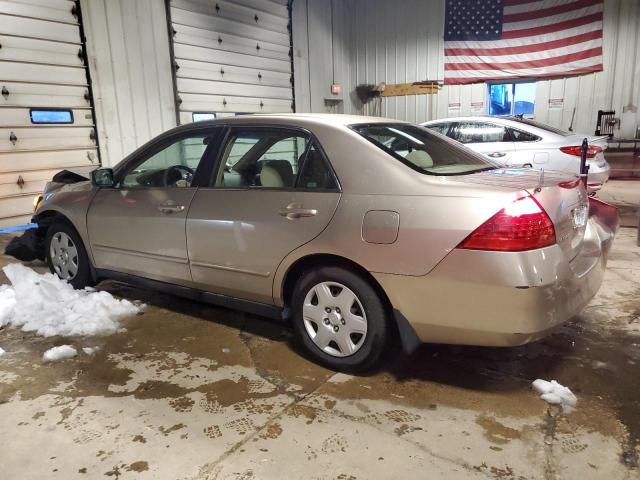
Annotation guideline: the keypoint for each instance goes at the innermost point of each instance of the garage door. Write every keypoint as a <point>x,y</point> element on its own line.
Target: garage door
<point>46,123</point>
<point>231,57</point>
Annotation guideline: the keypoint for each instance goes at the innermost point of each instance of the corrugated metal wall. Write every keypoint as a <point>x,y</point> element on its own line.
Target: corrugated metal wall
<point>399,42</point>
<point>130,67</point>
<point>322,53</point>
<point>402,41</point>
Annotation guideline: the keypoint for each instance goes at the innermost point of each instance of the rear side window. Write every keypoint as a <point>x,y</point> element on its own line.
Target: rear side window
<point>520,136</point>
<point>441,128</point>
<point>480,132</point>
<point>315,173</point>
<point>423,151</point>
<point>274,159</point>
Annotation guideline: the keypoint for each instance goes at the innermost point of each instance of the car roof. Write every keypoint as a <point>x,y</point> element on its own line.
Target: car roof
<point>329,119</point>
<point>477,118</point>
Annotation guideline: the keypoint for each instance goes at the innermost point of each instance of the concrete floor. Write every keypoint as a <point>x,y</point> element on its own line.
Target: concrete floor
<point>191,391</point>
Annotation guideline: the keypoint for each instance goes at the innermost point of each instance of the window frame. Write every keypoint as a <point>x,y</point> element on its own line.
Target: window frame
<point>51,109</point>
<point>513,104</point>
<point>162,142</point>
<point>232,129</point>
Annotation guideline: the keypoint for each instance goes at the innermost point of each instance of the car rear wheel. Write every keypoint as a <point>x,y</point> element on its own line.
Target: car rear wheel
<point>339,318</point>
<point>66,255</point>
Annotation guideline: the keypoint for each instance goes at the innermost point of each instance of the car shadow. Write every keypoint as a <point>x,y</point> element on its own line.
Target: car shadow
<point>477,368</point>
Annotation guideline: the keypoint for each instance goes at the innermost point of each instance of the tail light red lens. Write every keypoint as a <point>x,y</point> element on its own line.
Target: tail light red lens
<point>521,225</point>
<point>576,150</point>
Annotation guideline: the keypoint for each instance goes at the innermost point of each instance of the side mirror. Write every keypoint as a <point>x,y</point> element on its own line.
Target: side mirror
<point>102,177</point>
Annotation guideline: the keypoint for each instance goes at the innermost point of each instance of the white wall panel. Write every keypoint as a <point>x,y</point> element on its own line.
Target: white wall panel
<point>129,60</point>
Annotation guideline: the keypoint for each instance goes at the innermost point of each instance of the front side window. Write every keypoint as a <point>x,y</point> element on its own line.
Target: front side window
<point>423,151</point>
<point>277,158</point>
<point>172,166</point>
<point>480,132</point>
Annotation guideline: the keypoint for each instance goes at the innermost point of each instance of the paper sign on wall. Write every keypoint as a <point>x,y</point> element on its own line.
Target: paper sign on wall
<point>556,102</point>
<point>454,107</point>
<point>477,107</point>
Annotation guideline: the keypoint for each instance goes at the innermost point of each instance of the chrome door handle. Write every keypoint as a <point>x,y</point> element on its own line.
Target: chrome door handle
<point>496,154</point>
<point>171,208</point>
<point>293,210</point>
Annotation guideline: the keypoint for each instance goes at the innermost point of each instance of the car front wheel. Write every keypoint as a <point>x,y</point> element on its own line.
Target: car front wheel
<point>339,318</point>
<point>66,255</point>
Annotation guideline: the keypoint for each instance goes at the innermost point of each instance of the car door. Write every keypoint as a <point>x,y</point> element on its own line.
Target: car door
<point>138,227</point>
<point>490,139</point>
<point>274,191</point>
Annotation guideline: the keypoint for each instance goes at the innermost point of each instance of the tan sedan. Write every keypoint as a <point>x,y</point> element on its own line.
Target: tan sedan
<point>351,228</point>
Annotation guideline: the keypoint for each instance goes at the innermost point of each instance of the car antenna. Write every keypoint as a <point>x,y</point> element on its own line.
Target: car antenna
<point>540,181</point>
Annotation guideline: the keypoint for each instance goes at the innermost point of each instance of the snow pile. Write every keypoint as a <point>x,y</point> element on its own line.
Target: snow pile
<point>554,393</point>
<point>59,353</point>
<point>90,350</point>
<point>44,304</point>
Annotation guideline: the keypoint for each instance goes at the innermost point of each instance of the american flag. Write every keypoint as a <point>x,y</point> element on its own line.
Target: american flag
<point>504,39</point>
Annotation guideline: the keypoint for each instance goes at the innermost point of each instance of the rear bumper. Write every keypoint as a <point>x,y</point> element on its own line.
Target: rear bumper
<point>598,176</point>
<point>497,298</point>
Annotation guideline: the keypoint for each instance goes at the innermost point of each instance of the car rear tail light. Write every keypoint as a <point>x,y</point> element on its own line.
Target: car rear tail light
<point>521,225</point>
<point>576,150</point>
<point>605,213</point>
<point>570,184</point>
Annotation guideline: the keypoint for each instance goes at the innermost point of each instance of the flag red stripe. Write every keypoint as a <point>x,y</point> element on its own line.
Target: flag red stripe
<point>556,27</point>
<point>577,71</point>
<point>536,47</point>
<point>547,12</point>
<point>547,62</point>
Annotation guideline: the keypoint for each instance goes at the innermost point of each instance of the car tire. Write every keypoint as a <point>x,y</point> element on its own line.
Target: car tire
<point>366,305</point>
<point>66,256</point>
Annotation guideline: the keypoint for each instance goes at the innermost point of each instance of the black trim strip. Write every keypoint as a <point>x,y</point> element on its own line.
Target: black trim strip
<point>172,58</point>
<point>85,60</point>
<point>256,308</point>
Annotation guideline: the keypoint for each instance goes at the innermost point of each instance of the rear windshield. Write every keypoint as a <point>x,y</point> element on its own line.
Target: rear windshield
<point>423,150</point>
<point>543,126</point>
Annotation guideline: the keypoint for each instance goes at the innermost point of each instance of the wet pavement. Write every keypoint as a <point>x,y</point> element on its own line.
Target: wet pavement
<point>192,391</point>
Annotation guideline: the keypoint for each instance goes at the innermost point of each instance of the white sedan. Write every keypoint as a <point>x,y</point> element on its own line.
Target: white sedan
<point>521,142</point>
